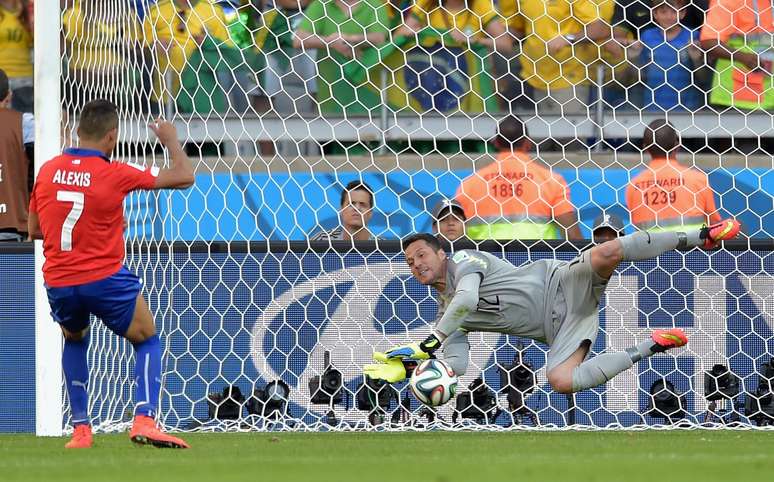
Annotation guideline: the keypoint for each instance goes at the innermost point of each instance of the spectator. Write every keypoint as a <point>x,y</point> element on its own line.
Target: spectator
<point>340,30</point>
<point>173,29</point>
<point>398,10</point>
<point>668,196</point>
<point>141,7</point>
<point>16,167</point>
<point>98,40</point>
<point>516,197</point>
<point>607,227</point>
<point>449,220</point>
<point>441,75</point>
<point>740,31</point>
<point>637,15</point>
<point>620,89</point>
<point>356,208</point>
<point>290,78</point>
<point>238,81</point>
<point>670,59</point>
<point>16,52</point>
<point>558,48</point>
<point>219,74</point>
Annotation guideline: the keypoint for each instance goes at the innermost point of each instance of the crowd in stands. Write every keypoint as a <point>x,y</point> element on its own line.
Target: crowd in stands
<point>333,56</point>
<point>16,51</point>
<point>336,56</point>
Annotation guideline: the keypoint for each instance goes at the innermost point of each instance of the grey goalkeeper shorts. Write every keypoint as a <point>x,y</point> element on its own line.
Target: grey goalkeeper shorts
<point>574,316</point>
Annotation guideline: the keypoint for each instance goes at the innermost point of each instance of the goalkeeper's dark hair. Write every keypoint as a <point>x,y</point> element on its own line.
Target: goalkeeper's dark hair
<point>676,4</point>
<point>511,133</point>
<point>430,239</point>
<point>354,186</point>
<point>660,139</point>
<point>4,86</point>
<point>98,117</point>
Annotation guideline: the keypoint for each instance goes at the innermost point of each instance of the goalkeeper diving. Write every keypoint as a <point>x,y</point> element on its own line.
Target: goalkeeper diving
<point>552,301</point>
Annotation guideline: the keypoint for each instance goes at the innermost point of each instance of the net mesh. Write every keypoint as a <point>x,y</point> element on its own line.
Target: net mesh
<point>282,105</point>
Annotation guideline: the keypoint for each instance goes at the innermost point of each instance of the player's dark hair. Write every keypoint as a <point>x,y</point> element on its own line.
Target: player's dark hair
<point>98,117</point>
<point>4,87</point>
<point>430,239</point>
<point>660,139</point>
<point>676,4</point>
<point>354,186</point>
<point>511,133</point>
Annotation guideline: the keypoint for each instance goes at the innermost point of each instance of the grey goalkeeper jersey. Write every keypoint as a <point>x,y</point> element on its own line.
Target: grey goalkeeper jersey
<point>511,300</point>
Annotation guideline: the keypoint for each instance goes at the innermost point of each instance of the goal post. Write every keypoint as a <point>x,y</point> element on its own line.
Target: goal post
<point>48,339</point>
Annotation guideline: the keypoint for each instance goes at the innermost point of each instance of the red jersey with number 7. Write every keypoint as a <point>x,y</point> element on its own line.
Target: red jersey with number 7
<point>79,199</point>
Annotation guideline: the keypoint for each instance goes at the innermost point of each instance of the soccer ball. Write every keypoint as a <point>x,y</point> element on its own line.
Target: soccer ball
<point>433,382</point>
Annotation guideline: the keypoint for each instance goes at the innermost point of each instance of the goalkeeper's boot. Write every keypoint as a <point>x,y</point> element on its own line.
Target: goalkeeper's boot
<point>82,438</point>
<point>144,431</point>
<point>722,231</point>
<point>666,339</point>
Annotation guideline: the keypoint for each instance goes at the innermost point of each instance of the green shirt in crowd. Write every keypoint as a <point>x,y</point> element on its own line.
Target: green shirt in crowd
<point>325,17</point>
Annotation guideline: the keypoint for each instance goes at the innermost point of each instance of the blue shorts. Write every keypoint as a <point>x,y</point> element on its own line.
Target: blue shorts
<point>111,299</point>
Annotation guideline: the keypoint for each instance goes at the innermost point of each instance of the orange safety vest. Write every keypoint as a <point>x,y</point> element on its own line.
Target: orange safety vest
<point>668,196</point>
<point>514,198</point>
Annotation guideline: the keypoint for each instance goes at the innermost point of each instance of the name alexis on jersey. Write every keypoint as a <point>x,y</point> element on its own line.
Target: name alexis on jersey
<point>71,178</point>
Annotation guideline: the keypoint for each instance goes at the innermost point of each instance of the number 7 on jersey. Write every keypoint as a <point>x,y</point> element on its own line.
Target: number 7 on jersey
<point>72,217</point>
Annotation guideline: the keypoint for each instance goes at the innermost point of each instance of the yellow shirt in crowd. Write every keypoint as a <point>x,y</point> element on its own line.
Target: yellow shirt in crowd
<point>15,45</point>
<point>472,20</point>
<point>98,38</point>
<point>542,20</point>
<point>167,21</point>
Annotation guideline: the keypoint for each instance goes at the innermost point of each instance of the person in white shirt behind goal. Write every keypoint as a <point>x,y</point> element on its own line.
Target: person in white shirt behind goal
<point>552,301</point>
<point>356,207</point>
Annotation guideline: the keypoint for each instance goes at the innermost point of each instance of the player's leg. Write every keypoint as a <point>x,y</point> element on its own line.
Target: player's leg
<point>646,245</point>
<point>574,374</point>
<point>73,320</point>
<point>560,376</point>
<point>120,305</point>
<point>118,302</point>
<point>576,303</point>
<point>147,374</point>
<point>76,368</point>
<point>147,353</point>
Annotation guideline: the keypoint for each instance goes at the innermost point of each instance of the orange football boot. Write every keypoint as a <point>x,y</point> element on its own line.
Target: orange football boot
<point>666,339</point>
<point>722,231</point>
<point>82,438</point>
<point>144,431</point>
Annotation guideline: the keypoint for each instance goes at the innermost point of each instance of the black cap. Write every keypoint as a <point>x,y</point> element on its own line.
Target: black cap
<point>607,220</point>
<point>439,211</point>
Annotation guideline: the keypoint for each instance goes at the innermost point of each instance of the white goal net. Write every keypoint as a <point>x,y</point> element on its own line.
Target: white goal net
<point>281,105</point>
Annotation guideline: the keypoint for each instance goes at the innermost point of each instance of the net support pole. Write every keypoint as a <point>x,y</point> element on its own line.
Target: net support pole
<point>383,112</point>
<point>48,111</point>
<point>599,108</point>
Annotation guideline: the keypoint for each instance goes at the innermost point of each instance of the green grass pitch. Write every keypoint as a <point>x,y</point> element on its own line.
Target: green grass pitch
<point>411,457</point>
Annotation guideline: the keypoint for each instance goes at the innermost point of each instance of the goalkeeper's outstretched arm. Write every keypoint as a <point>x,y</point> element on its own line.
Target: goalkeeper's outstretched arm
<point>456,350</point>
<point>464,301</point>
<point>390,366</point>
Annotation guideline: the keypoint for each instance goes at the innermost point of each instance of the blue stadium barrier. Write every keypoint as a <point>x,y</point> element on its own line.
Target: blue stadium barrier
<point>244,206</point>
<point>17,339</point>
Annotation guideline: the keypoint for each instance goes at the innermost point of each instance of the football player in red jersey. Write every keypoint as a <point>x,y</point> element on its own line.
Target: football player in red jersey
<point>76,207</point>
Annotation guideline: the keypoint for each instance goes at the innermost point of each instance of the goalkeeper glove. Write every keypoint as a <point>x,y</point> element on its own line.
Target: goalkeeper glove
<point>391,371</point>
<point>416,351</point>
